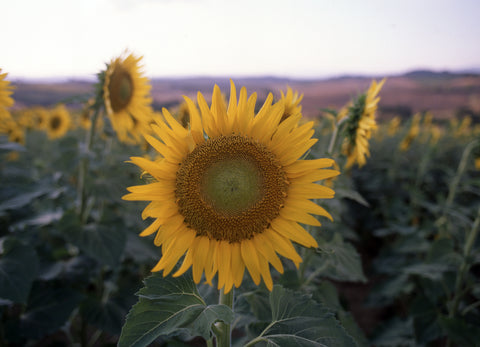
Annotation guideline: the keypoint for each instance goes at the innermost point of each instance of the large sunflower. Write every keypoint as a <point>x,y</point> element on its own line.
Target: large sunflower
<point>126,94</point>
<point>230,191</point>
<point>360,125</point>
<point>58,123</point>
<point>5,98</point>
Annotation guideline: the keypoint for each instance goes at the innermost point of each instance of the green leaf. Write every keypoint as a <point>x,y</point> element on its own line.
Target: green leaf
<point>48,309</point>
<point>12,146</point>
<point>22,199</point>
<point>460,332</point>
<point>104,244</point>
<point>297,320</point>
<point>395,333</point>
<point>341,260</point>
<point>170,305</point>
<point>18,269</point>
<point>433,272</point>
<point>425,320</point>
<point>108,316</point>
<point>351,326</point>
<point>352,195</point>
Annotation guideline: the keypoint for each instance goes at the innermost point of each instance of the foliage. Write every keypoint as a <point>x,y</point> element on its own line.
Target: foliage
<point>404,234</point>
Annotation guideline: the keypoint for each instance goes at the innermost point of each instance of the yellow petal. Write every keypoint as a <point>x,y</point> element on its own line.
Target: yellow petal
<point>250,258</point>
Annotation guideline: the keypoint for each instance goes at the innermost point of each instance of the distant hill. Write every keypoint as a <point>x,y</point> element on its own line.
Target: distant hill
<point>442,92</point>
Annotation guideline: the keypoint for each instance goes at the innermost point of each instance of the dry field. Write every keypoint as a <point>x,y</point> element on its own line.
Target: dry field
<point>443,94</point>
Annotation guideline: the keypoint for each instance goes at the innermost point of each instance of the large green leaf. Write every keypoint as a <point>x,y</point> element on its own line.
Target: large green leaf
<point>170,305</point>
<point>18,269</point>
<point>105,244</point>
<point>341,261</point>
<point>297,320</point>
<point>22,199</point>
<point>106,315</point>
<point>461,332</point>
<point>49,308</point>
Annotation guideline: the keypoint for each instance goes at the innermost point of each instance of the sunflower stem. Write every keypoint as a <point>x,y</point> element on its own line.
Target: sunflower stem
<point>223,330</point>
<point>452,191</point>
<point>333,139</point>
<point>465,265</point>
<point>82,194</point>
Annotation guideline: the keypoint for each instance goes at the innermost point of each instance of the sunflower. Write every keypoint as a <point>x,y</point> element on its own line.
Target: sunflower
<point>291,102</point>
<point>230,191</point>
<point>183,114</point>
<point>393,126</point>
<point>41,118</point>
<point>360,125</point>
<point>13,130</point>
<point>5,98</point>
<point>126,94</point>
<point>412,133</point>
<point>58,122</point>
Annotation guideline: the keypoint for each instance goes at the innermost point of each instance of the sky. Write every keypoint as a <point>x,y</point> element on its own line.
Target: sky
<point>181,38</point>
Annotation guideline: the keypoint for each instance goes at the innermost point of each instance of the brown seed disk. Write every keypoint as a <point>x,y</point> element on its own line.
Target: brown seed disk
<point>230,188</point>
<point>120,88</point>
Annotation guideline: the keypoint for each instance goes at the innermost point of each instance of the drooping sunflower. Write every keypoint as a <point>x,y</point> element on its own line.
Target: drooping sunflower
<point>412,133</point>
<point>126,94</point>
<point>230,192</point>
<point>5,99</point>
<point>360,125</point>
<point>58,122</point>
<point>291,102</point>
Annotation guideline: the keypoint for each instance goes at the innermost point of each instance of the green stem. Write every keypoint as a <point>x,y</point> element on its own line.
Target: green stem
<point>465,266</point>
<point>82,195</point>
<point>222,330</point>
<point>452,190</point>
<point>333,139</point>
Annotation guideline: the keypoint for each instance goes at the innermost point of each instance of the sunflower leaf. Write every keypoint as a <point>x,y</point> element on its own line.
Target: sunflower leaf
<point>48,309</point>
<point>341,260</point>
<point>18,269</point>
<point>170,306</point>
<point>105,244</point>
<point>297,320</point>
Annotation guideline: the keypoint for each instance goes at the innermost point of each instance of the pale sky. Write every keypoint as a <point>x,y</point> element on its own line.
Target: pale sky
<point>298,38</point>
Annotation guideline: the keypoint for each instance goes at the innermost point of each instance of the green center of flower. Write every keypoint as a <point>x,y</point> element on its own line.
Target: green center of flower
<point>232,185</point>
<point>120,88</point>
<point>230,188</point>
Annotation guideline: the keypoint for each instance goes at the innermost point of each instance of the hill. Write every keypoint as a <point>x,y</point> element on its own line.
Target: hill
<point>444,93</point>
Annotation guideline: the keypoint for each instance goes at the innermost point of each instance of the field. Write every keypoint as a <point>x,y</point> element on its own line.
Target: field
<point>444,94</point>
<point>398,264</point>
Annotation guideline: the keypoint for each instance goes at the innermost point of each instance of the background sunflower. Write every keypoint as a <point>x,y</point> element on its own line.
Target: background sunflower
<point>126,94</point>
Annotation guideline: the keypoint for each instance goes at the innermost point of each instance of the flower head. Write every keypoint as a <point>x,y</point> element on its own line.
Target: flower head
<point>360,125</point>
<point>126,95</point>
<point>58,123</point>
<point>291,103</point>
<point>230,191</point>
<point>412,133</point>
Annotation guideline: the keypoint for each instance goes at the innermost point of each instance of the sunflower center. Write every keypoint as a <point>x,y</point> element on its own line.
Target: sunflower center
<point>120,88</point>
<point>231,185</point>
<point>230,188</point>
<point>55,123</point>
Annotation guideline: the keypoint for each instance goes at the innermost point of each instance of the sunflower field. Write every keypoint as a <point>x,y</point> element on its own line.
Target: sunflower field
<point>232,221</point>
